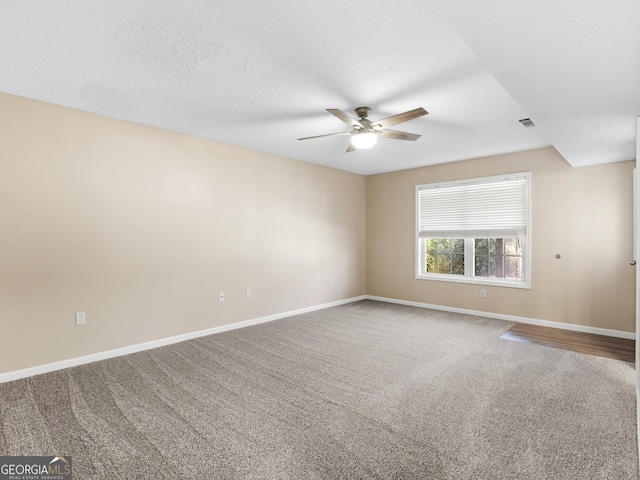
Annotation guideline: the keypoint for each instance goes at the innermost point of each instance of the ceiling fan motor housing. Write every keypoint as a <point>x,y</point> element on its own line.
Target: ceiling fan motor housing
<point>363,112</point>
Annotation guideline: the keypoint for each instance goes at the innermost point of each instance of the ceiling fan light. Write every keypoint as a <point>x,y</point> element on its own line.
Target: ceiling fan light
<point>364,140</point>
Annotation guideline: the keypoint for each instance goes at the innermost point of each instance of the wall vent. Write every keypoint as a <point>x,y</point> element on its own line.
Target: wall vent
<point>527,122</point>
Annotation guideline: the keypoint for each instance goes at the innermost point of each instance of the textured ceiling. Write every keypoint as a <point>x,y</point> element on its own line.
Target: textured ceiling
<point>261,74</point>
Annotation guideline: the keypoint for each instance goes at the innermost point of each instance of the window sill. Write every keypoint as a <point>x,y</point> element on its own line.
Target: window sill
<point>475,281</point>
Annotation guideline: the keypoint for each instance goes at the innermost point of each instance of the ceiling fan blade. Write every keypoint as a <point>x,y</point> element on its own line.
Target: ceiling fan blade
<point>401,117</point>
<point>395,134</point>
<point>352,122</point>
<point>326,135</point>
<point>350,148</point>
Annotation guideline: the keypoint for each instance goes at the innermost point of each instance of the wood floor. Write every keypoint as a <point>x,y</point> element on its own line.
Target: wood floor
<point>610,347</point>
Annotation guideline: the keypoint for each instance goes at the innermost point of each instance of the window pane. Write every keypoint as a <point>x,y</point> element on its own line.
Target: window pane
<point>496,266</point>
<point>482,266</point>
<point>498,258</point>
<point>444,255</point>
<point>457,264</point>
<point>444,245</point>
<point>482,246</point>
<point>513,268</point>
<point>496,246</point>
<point>444,266</point>
<point>432,266</point>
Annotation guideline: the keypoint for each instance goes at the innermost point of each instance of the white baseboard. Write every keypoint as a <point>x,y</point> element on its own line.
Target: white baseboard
<point>512,318</point>
<point>94,357</point>
<point>73,362</point>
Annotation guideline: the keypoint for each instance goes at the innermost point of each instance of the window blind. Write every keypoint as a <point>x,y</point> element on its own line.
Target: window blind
<point>494,207</point>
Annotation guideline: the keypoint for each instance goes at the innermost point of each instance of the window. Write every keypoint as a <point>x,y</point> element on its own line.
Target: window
<point>474,231</point>
<point>445,255</point>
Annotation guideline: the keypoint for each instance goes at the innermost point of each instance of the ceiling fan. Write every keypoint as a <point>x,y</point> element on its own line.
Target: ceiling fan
<point>365,133</point>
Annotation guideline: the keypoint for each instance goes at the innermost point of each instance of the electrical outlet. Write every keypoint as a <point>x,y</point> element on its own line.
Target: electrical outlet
<point>221,297</point>
<point>483,293</point>
<point>81,318</point>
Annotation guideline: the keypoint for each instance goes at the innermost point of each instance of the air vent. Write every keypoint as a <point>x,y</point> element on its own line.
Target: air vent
<point>527,122</point>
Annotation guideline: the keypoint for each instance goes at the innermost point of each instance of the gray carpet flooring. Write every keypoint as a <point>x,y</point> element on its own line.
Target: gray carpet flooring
<point>368,390</point>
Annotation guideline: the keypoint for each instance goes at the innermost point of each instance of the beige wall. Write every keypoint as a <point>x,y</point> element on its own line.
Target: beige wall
<point>584,214</point>
<point>141,228</point>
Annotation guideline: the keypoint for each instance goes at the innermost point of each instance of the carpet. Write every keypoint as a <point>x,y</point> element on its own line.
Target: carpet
<point>368,390</point>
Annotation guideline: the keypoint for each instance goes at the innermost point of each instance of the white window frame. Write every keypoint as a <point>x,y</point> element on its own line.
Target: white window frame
<point>422,274</point>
